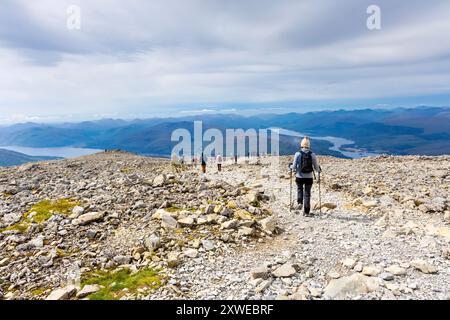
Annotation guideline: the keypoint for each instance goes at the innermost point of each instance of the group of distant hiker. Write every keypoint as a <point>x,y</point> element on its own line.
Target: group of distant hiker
<point>304,166</point>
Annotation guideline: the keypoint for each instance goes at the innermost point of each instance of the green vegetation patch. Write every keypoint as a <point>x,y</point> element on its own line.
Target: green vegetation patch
<point>41,212</point>
<point>45,209</point>
<point>117,284</point>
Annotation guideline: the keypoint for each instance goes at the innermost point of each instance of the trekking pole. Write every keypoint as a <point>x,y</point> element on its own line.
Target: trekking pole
<point>290,189</point>
<point>320,195</point>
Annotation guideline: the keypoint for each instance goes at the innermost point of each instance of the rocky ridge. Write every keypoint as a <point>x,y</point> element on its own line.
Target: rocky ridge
<point>120,226</point>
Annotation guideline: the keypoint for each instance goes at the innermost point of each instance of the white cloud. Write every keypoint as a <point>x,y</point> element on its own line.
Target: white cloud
<point>145,56</point>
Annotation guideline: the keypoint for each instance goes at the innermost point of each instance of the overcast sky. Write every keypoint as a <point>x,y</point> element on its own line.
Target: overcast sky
<point>141,58</point>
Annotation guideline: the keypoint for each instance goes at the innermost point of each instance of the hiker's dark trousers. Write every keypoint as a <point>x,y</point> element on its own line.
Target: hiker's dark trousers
<point>304,186</point>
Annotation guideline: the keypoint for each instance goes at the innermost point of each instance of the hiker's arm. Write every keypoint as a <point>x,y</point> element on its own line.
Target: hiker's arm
<point>295,161</point>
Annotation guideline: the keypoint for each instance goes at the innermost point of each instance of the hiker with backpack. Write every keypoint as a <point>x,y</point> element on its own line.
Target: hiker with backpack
<point>219,161</point>
<point>304,165</point>
<point>203,164</point>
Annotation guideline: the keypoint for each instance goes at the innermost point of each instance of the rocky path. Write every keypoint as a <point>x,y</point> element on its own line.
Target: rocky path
<point>100,226</point>
<point>345,252</point>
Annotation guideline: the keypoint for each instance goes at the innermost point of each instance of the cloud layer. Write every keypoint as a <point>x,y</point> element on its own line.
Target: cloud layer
<point>156,57</point>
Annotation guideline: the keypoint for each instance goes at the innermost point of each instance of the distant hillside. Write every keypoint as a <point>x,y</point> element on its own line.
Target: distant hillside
<point>421,131</point>
<point>12,158</point>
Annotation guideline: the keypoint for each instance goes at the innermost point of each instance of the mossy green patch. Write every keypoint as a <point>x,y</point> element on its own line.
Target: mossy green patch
<point>173,209</point>
<point>41,212</point>
<point>20,227</point>
<point>117,284</point>
<point>45,209</point>
<point>38,292</point>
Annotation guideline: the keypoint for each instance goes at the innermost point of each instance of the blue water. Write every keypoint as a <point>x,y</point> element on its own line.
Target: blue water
<point>62,152</point>
<point>336,141</point>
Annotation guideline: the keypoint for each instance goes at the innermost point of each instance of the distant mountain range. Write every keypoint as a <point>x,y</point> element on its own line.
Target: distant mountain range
<point>12,158</point>
<point>421,131</point>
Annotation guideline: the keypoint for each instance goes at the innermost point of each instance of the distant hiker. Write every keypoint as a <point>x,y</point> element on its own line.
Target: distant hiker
<point>305,162</point>
<point>219,161</point>
<point>203,164</point>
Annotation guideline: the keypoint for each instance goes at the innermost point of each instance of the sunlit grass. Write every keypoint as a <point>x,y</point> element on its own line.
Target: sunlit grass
<point>117,284</point>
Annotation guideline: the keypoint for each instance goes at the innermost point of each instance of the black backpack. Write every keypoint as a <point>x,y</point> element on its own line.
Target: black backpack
<point>304,162</point>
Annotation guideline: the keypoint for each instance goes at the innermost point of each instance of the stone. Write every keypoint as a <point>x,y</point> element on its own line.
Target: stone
<point>173,259</point>
<point>210,209</point>
<point>231,224</point>
<point>77,211</point>
<point>91,233</point>
<point>260,272</point>
<point>315,292</point>
<point>371,271</point>
<point>88,218</point>
<point>333,274</point>
<point>329,205</point>
<point>264,285</point>
<point>152,242</point>
<point>4,262</point>
<point>245,232</point>
<point>169,222</point>
<point>208,245</point>
<point>302,293</point>
<point>286,270</point>
<point>358,267</point>
<point>191,253</point>
<point>386,276</point>
<point>37,243</point>
<point>268,224</point>
<point>88,289</point>
<point>369,204</point>
<point>347,287</point>
<point>242,215</point>
<point>423,266</point>
<point>62,293</point>
<point>121,259</point>
<point>159,180</point>
<point>396,270</point>
<point>201,220</point>
<point>349,263</point>
<point>186,222</point>
<point>447,216</point>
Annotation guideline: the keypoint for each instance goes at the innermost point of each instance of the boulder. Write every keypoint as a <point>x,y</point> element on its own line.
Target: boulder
<point>159,181</point>
<point>77,211</point>
<point>371,271</point>
<point>169,222</point>
<point>173,259</point>
<point>260,272</point>
<point>245,231</point>
<point>121,259</point>
<point>208,245</point>
<point>191,253</point>
<point>423,266</point>
<point>88,218</point>
<point>186,222</point>
<point>231,224</point>
<point>347,287</point>
<point>396,270</point>
<point>88,289</point>
<point>152,242</point>
<point>268,224</point>
<point>62,293</point>
<point>285,271</point>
